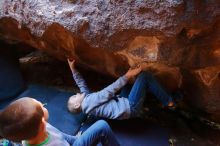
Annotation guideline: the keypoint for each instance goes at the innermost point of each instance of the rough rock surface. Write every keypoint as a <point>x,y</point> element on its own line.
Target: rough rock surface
<point>179,40</point>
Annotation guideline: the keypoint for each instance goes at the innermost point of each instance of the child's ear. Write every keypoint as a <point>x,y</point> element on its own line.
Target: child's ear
<point>43,124</point>
<point>76,105</point>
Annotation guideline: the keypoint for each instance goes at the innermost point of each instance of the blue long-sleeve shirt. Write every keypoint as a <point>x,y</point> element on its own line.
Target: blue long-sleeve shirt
<point>104,103</point>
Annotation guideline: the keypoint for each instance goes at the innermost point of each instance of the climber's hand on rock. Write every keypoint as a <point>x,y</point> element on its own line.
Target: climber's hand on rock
<point>71,63</point>
<point>132,72</point>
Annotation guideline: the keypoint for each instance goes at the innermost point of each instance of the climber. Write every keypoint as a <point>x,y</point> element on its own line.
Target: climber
<point>106,104</point>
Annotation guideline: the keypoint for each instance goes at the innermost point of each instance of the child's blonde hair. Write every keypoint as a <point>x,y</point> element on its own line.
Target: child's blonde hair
<point>71,104</point>
<point>21,119</point>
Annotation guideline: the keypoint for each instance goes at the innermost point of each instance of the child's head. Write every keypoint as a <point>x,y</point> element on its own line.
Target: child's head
<point>75,102</point>
<point>22,119</point>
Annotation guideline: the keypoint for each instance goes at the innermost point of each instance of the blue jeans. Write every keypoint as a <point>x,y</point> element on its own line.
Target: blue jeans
<point>136,95</point>
<point>99,132</point>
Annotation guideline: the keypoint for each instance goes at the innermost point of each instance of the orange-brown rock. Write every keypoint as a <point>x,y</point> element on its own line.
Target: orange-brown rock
<point>178,39</point>
<point>203,90</point>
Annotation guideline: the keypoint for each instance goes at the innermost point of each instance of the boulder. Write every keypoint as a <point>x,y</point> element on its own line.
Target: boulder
<point>179,40</point>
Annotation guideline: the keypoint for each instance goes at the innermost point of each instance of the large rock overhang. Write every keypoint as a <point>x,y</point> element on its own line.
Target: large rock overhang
<point>178,40</point>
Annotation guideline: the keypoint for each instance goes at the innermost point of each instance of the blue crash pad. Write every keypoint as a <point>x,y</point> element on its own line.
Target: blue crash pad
<point>135,132</point>
<point>139,132</point>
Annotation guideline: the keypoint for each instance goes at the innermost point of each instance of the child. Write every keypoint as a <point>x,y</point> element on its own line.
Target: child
<point>106,104</point>
<point>25,120</point>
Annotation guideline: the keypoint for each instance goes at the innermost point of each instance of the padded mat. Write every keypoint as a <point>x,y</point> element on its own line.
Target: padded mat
<point>135,132</point>
<point>139,132</point>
